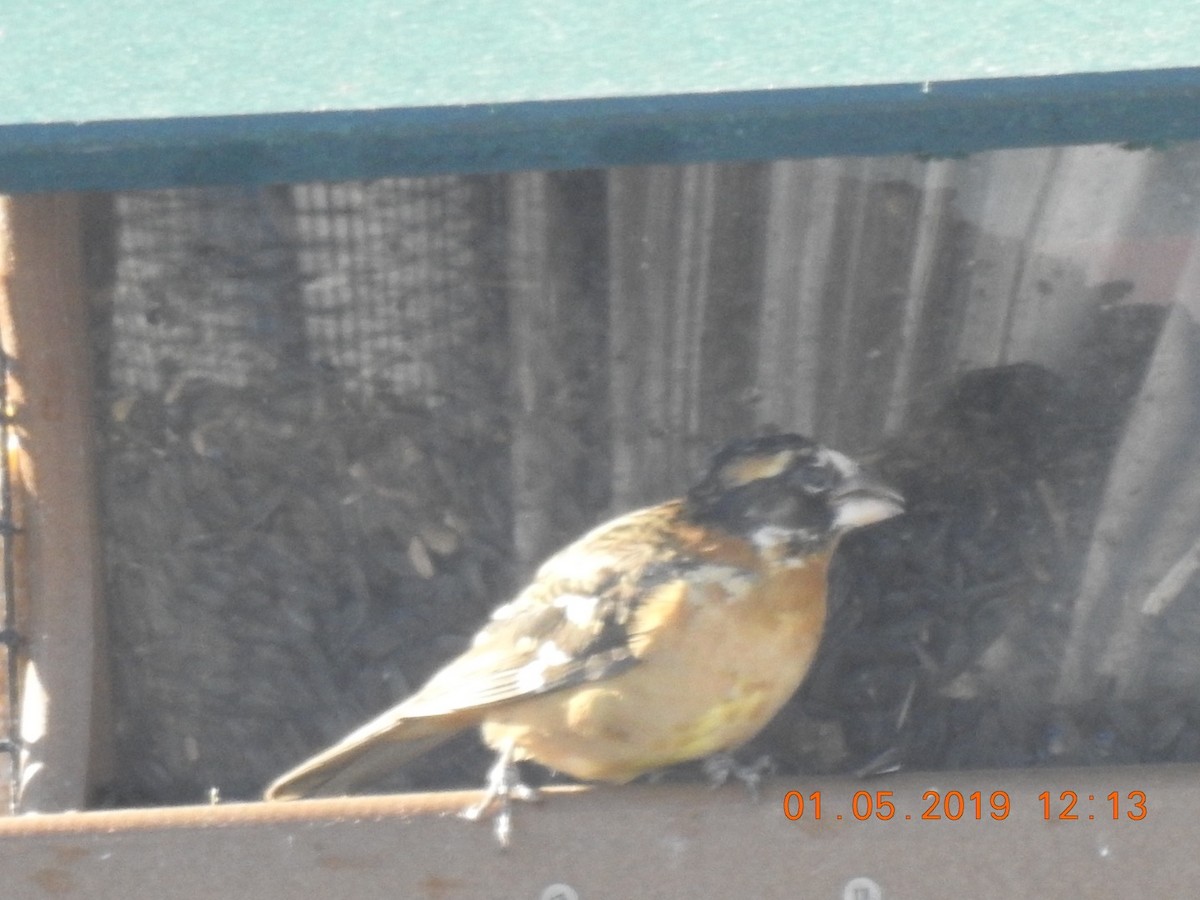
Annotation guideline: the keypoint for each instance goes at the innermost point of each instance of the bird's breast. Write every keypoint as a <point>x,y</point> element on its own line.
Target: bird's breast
<point>719,653</point>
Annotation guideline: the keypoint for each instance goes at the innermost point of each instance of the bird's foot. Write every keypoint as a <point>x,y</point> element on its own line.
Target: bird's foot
<point>720,766</point>
<point>503,786</point>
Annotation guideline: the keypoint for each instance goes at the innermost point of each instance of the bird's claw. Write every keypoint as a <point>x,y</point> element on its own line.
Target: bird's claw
<point>503,786</point>
<point>720,766</point>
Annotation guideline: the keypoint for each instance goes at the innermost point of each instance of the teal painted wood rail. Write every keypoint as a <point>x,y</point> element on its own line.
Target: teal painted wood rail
<point>132,93</point>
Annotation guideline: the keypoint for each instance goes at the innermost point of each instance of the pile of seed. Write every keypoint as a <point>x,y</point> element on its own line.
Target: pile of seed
<point>283,562</point>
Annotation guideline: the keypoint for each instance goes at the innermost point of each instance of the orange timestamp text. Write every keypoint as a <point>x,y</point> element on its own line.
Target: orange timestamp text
<point>954,806</point>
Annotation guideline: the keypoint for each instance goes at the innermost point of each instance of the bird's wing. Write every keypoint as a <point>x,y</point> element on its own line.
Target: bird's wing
<point>582,618</point>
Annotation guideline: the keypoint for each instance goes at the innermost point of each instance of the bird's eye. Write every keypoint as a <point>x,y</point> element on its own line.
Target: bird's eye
<point>814,478</point>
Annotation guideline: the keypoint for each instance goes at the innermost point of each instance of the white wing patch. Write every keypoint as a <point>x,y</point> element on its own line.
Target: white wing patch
<point>506,611</point>
<point>531,677</point>
<point>578,609</point>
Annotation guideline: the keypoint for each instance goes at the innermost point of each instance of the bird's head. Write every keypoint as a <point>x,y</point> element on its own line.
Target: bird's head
<point>785,487</point>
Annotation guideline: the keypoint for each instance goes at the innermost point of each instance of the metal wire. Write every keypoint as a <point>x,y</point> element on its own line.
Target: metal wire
<point>10,640</point>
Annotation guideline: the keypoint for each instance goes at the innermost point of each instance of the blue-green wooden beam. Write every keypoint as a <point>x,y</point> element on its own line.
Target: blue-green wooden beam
<point>134,93</point>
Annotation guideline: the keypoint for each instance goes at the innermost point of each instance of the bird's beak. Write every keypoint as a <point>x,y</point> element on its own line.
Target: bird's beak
<point>863,501</point>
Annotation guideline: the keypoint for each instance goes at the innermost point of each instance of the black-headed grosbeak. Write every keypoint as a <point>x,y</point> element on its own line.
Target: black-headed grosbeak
<point>668,634</point>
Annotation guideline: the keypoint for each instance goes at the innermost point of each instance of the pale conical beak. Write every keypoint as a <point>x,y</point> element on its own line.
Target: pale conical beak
<point>863,501</point>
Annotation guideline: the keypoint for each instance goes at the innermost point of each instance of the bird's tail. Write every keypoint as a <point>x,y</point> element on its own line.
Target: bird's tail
<point>377,748</point>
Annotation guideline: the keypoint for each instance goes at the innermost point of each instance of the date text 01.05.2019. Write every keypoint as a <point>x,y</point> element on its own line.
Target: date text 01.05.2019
<point>954,806</point>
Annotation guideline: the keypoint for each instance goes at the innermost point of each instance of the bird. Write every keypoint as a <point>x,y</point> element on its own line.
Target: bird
<point>667,634</point>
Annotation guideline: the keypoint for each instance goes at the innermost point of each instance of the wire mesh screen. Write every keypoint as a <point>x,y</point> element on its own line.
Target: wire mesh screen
<point>305,478</point>
<point>343,421</point>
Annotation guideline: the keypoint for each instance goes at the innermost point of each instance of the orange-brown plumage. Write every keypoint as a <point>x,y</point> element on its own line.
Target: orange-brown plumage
<point>667,634</point>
